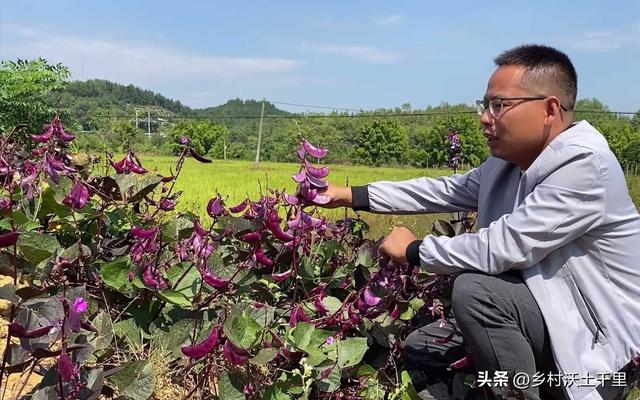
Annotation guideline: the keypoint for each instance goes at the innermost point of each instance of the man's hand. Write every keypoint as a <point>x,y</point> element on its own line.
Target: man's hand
<point>396,243</point>
<point>340,197</point>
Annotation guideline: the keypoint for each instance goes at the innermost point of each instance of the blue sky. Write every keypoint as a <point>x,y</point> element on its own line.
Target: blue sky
<point>356,54</point>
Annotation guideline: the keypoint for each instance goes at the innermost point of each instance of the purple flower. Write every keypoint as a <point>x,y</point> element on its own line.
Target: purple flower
<point>329,341</point>
<point>78,197</point>
<point>248,389</point>
<point>54,168</point>
<point>215,208</point>
<point>66,369</point>
<point>80,306</point>
<point>166,204</point>
<point>184,140</point>
<point>199,350</point>
<point>142,233</point>
<point>130,163</point>
<point>455,157</point>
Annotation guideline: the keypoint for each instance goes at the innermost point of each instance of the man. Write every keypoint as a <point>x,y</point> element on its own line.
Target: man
<point>551,279</point>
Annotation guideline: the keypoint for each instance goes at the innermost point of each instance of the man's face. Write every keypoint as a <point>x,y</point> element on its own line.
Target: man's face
<point>516,133</point>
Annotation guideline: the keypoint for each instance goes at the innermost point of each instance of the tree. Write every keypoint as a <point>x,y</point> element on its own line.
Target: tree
<point>381,143</point>
<point>25,87</point>
<point>207,137</point>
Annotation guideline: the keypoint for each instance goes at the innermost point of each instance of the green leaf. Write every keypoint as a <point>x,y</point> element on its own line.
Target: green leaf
<point>135,379</point>
<point>332,382</point>
<point>276,392</point>
<point>174,297</point>
<point>178,334</point>
<point>129,332</point>
<point>264,356</point>
<point>73,252</point>
<point>332,304</point>
<point>103,338</point>
<point>116,275</point>
<point>409,392</point>
<point>37,247</point>
<point>350,351</point>
<point>241,329</point>
<point>134,187</point>
<point>230,388</point>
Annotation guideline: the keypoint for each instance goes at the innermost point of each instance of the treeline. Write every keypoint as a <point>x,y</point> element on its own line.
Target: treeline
<point>103,115</point>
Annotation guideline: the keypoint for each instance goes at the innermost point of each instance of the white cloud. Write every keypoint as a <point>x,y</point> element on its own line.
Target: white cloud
<point>606,40</point>
<point>390,20</point>
<point>144,64</point>
<point>369,54</point>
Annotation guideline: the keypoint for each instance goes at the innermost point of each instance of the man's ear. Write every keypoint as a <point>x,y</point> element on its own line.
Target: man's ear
<point>552,110</point>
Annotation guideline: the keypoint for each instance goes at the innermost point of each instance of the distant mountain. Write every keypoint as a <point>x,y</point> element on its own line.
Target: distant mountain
<point>92,104</point>
<point>241,108</point>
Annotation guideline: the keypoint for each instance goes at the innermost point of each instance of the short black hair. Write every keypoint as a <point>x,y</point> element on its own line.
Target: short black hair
<point>546,68</point>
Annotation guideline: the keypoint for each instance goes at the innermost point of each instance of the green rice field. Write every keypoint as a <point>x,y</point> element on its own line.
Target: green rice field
<point>239,179</point>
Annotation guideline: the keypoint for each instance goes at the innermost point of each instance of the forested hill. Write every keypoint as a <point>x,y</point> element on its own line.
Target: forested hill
<point>241,108</point>
<point>89,103</point>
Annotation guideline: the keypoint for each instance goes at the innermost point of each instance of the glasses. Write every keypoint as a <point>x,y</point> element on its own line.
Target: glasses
<point>496,105</point>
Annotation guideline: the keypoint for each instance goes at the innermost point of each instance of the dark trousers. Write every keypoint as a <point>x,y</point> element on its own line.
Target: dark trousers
<point>502,328</point>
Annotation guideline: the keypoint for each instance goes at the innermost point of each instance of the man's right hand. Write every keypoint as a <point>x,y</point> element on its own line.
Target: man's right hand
<point>340,197</point>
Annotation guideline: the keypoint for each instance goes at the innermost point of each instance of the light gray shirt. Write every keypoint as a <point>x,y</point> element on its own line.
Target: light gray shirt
<point>567,223</point>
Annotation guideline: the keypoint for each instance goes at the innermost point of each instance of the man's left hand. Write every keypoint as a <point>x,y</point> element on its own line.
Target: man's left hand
<point>396,243</point>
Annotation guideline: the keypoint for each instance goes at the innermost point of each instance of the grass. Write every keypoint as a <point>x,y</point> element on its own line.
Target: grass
<point>239,179</point>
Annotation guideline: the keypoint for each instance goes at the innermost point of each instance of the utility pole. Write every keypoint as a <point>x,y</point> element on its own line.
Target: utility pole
<point>148,125</point>
<point>257,163</point>
<point>137,127</point>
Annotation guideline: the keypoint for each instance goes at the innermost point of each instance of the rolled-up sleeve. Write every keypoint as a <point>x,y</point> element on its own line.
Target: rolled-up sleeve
<point>566,204</point>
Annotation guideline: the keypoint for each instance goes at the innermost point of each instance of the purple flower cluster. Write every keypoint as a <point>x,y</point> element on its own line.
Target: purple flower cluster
<point>310,178</point>
<point>130,163</point>
<point>53,130</point>
<point>455,155</point>
<point>144,253</point>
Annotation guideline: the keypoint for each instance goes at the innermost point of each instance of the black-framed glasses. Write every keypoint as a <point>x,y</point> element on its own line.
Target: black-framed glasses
<point>496,105</point>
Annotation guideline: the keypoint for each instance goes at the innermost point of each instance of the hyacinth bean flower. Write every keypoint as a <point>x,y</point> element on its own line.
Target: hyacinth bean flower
<point>130,163</point>
<point>78,197</point>
<point>79,307</point>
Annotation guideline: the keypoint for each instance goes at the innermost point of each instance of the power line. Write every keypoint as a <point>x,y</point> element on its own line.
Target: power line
<point>320,107</point>
<point>362,115</point>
